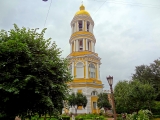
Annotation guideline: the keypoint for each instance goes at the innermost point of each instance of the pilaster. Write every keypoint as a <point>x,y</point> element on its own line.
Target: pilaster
<point>86,69</point>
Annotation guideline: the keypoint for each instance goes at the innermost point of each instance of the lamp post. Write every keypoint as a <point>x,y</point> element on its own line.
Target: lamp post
<point>110,82</point>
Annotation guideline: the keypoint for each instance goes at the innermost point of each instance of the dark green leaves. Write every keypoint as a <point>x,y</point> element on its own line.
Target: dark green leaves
<point>33,77</point>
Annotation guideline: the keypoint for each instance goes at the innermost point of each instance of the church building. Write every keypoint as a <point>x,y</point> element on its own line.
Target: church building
<point>84,61</point>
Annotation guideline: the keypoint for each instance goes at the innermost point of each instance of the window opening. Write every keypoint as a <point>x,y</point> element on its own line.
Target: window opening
<point>89,45</point>
<point>94,105</point>
<point>92,70</point>
<point>88,26</point>
<point>80,45</point>
<point>80,25</point>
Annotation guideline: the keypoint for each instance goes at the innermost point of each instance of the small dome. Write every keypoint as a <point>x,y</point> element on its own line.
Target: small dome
<point>82,11</point>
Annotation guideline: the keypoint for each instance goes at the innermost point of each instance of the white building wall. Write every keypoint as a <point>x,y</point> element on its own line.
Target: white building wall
<point>86,91</point>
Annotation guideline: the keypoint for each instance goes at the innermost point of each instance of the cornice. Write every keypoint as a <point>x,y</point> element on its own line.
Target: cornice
<point>82,34</point>
<point>86,57</point>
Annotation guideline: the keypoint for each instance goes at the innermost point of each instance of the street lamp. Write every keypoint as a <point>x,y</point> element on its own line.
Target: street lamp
<point>110,82</point>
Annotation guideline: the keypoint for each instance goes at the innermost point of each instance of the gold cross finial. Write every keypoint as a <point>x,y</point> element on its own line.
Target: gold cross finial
<point>82,2</point>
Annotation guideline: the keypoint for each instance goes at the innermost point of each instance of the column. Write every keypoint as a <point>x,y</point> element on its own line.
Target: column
<point>86,44</point>
<point>77,45</point>
<point>97,71</point>
<point>77,26</point>
<point>83,44</point>
<point>73,69</point>
<point>71,48</point>
<point>91,28</point>
<point>86,26</point>
<point>74,46</point>
<point>71,29</point>
<point>74,28</point>
<point>92,46</point>
<point>86,69</point>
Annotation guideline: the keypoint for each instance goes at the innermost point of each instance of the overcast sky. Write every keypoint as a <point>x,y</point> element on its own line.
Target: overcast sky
<point>127,32</point>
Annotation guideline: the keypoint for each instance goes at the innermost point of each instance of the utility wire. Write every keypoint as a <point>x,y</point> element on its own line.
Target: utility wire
<point>100,7</point>
<point>47,13</point>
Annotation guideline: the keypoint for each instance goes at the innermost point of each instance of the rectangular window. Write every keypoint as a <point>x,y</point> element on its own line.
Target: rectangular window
<point>94,105</point>
<point>80,45</point>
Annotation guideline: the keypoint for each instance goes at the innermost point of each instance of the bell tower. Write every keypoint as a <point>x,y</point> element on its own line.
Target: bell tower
<point>84,62</point>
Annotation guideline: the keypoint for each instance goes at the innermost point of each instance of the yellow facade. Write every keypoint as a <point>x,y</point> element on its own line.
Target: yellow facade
<point>84,62</point>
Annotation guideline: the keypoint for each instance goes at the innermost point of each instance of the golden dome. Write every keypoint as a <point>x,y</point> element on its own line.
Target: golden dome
<point>82,11</point>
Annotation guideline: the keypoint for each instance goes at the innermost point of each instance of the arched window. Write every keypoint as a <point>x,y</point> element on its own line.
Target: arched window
<point>79,70</point>
<point>70,69</point>
<point>92,71</point>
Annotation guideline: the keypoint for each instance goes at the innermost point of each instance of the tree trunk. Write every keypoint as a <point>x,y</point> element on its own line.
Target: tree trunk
<point>45,117</point>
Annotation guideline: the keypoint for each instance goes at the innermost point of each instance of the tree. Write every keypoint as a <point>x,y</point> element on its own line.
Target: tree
<point>122,101</point>
<point>149,74</point>
<point>76,100</point>
<point>33,75</point>
<point>103,101</point>
<point>141,95</point>
<point>133,96</point>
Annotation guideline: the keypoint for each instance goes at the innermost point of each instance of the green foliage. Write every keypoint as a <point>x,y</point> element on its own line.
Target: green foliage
<point>133,96</point>
<point>156,116</point>
<point>121,97</point>
<point>33,74</point>
<point>64,118</point>
<point>156,108</point>
<point>142,115</point>
<point>77,99</point>
<point>141,95</point>
<point>89,116</point>
<point>103,101</point>
<point>149,74</point>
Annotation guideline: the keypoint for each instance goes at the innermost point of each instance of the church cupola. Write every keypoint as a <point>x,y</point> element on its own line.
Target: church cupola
<point>82,38</point>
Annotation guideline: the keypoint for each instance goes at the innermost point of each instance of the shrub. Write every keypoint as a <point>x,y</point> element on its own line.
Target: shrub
<point>89,117</point>
<point>156,116</point>
<point>142,115</point>
<point>65,118</point>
